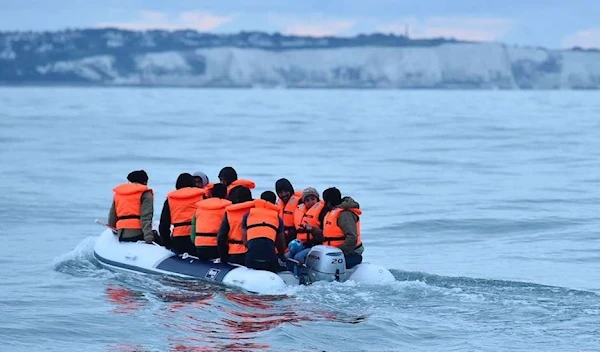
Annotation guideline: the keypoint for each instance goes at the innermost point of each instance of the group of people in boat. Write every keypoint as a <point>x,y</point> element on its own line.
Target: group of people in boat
<point>223,220</point>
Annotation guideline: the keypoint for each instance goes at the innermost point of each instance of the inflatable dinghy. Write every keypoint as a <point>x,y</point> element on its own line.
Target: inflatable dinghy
<point>324,263</point>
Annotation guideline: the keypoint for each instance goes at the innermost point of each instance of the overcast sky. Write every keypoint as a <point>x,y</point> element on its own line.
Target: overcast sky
<point>548,23</point>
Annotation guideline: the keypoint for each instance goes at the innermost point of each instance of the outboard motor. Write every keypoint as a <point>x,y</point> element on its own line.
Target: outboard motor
<point>325,263</point>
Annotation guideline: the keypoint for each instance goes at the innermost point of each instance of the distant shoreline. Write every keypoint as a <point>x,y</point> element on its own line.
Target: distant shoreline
<point>190,59</point>
<point>312,42</point>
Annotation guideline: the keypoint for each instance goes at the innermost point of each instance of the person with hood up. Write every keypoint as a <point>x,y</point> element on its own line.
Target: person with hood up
<point>178,209</point>
<point>228,176</point>
<point>207,221</point>
<point>341,226</point>
<point>288,203</point>
<point>200,179</point>
<point>202,182</point>
<point>132,210</point>
<point>229,239</point>
<point>262,233</point>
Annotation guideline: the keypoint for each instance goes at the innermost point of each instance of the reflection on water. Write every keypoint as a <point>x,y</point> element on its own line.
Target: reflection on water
<point>196,316</point>
<point>259,313</point>
<point>125,300</point>
<point>235,347</point>
<point>126,347</point>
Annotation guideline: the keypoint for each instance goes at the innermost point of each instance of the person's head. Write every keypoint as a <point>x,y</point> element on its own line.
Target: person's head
<point>185,180</point>
<point>219,190</point>
<point>200,179</point>
<point>284,189</point>
<point>310,197</point>
<point>138,176</point>
<point>269,196</point>
<point>242,194</point>
<point>332,197</point>
<point>227,175</point>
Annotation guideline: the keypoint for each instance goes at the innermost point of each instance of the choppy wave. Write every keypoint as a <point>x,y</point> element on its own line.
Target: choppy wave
<point>80,261</point>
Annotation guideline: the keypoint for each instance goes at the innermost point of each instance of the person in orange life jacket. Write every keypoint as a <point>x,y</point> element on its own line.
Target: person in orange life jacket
<point>177,210</point>
<point>262,231</point>
<point>228,176</point>
<point>304,206</point>
<point>317,231</point>
<point>202,182</point>
<point>229,238</point>
<point>200,179</point>
<point>132,210</point>
<point>341,226</point>
<point>288,202</point>
<point>207,221</point>
<point>306,215</point>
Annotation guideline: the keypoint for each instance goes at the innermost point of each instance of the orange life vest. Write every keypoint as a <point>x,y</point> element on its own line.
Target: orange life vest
<point>208,190</point>
<point>240,182</point>
<point>182,204</point>
<point>209,215</point>
<point>311,217</point>
<point>333,234</point>
<point>263,221</point>
<point>128,204</point>
<point>298,215</point>
<point>287,210</point>
<point>235,213</point>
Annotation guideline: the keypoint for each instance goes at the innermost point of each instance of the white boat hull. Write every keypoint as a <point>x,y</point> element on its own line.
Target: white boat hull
<point>154,259</point>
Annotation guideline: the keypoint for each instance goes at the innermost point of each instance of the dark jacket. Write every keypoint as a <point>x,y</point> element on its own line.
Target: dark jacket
<point>222,239</point>
<point>164,227</point>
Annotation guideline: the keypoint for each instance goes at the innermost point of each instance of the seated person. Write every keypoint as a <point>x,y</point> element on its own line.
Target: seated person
<point>262,232</point>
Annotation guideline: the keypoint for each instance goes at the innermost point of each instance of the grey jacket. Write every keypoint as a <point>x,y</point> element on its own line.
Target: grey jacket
<point>146,214</point>
<point>347,222</point>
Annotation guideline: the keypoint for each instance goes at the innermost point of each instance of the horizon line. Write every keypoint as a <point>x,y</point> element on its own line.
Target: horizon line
<point>365,34</point>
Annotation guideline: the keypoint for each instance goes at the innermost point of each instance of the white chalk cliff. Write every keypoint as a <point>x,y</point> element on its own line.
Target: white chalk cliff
<point>187,58</point>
